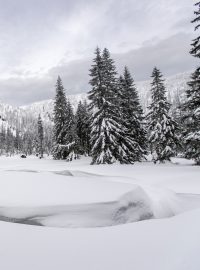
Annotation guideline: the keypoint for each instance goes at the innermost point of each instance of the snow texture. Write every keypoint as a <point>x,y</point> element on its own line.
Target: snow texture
<point>52,186</point>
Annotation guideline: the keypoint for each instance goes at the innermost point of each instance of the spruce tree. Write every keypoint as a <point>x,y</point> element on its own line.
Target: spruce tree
<point>60,120</point>
<point>71,139</point>
<point>102,138</point>
<point>40,137</point>
<point>195,50</point>
<point>192,118</point>
<point>161,127</point>
<point>192,105</point>
<point>96,81</point>
<point>108,139</point>
<point>132,114</point>
<point>83,127</point>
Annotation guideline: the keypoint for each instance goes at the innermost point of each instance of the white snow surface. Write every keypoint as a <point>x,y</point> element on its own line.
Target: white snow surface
<point>92,198</point>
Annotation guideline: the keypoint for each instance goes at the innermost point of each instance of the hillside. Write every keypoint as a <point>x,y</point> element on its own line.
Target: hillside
<point>18,117</point>
<point>45,107</point>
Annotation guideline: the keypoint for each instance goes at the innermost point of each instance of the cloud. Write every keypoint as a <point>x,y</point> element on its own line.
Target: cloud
<point>43,38</point>
<point>170,55</point>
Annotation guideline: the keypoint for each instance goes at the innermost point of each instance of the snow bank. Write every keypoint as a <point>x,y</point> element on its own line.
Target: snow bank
<point>59,194</point>
<point>138,204</point>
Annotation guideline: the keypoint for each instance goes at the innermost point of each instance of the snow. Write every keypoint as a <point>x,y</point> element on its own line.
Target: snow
<point>92,198</point>
<point>175,85</point>
<point>45,107</point>
<point>167,244</point>
<point>49,188</point>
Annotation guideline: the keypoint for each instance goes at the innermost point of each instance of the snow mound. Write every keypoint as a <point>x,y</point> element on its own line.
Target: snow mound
<point>133,206</point>
<point>146,203</point>
<point>141,203</point>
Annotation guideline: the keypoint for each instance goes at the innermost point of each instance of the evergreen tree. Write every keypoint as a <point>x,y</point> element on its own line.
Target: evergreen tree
<point>162,128</point>
<point>191,107</point>
<point>71,139</point>
<point>60,119</point>
<point>40,137</point>
<point>96,73</point>
<point>2,140</point>
<point>192,118</point>
<point>108,139</point>
<point>83,127</point>
<point>17,141</point>
<point>132,114</point>
<point>9,142</point>
<point>195,50</point>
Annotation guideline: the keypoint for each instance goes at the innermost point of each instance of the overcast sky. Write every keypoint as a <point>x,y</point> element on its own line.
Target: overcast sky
<point>40,39</point>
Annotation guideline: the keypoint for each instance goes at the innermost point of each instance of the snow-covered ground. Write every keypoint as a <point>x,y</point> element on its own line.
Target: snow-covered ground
<point>92,198</point>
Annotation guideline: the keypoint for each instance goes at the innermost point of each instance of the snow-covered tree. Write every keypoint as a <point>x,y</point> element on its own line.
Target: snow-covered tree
<point>96,81</point>
<point>2,140</point>
<point>132,114</point>
<point>191,107</point>
<point>192,118</point>
<point>71,139</point>
<point>66,144</point>
<point>195,50</point>
<point>83,127</point>
<point>40,137</point>
<point>103,127</point>
<point>60,120</point>
<point>161,127</point>
<point>108,139</point>
<point>9,142</point>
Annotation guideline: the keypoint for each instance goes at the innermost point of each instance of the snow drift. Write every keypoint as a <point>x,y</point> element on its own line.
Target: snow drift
<point>138,204</point>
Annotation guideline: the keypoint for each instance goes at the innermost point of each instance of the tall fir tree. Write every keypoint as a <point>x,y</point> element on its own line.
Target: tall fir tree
<point>108,139</point>
<point>40,137</point>
<point>161,127</point>
<point>195,50</point>
<point>102,139</point>
<point>96,81</point>
<point>192,105</point>
<point>132,114</point>
<point>71,139</point>
<point>60,120</point>
<point>83,127</point>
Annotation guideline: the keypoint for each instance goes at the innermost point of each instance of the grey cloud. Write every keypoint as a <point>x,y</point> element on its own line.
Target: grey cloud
<point>17,91</point>
<point>170,55</point>
<point>40,38</point>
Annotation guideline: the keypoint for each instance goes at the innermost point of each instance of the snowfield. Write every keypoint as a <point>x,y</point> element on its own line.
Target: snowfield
<point>164,198</point>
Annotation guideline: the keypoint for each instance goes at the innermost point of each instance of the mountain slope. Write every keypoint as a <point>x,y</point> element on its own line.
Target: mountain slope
<point>176,86</point>
<point>16,117</point>
<point>45,107</point>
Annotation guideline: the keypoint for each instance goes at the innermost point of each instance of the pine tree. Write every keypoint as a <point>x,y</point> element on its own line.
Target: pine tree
<point>71,139</point>
<point>195,50</point>
<point>2,140</point>
<point>192,118</point>
<point>102,139</point>
<point>191,107</point>
<point>96,73</point>
<point>9,142</point>
<point>17,141</point>
<point>162,128</point>
<point>108,139</point>
<point>40,136</point>
<point>132,114</point>
<point>60,120</point>
<point>83,127</point>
